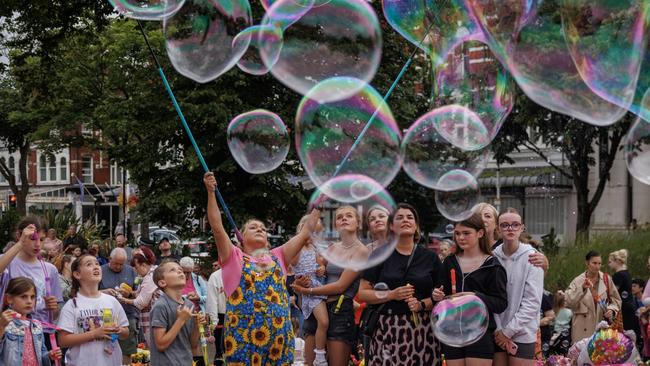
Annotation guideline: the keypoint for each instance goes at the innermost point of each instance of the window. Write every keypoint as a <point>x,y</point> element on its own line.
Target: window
<point>42,169</point>
<point>117,175</point>
<point>2,177</point>
<point>87,169</point>
<point>64,169</point>
<point>12,168</point>
<point>52,165</point>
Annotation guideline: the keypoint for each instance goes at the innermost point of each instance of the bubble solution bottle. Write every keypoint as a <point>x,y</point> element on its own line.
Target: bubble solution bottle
<point>107,317</point>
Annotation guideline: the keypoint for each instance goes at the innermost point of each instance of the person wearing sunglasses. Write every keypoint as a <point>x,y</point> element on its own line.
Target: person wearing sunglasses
<point>517,327</point>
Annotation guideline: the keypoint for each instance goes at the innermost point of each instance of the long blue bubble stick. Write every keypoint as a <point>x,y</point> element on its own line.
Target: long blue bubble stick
<point>385,98</point>
<point>177,107</point>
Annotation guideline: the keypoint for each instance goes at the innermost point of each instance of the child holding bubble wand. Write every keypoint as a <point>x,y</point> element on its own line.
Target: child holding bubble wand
<point>255,288</point>
<point>82,320</point>
<point>476,272</point>
<point>23,259</point>
<point>22,339</point>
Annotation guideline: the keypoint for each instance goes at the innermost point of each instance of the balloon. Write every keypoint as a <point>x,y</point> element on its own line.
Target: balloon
<point>608,347</point>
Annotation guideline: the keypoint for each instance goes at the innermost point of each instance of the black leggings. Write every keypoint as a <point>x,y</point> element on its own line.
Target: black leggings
<point>218,342</point>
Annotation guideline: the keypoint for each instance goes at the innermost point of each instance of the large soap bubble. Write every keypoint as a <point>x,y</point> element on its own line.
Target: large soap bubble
<point>339,240</point>
<point>327,132</point>
<point>256,36</point>
<point>427,155</point>
<point>637,150</point>
<point>607,41</point>
<point>341,38</point>
<point>147,9</point>
<point>258,140</point>
<point>457,205</point>
<point>432,25</point>
<point>460,321</point>
<point>199,38</point>
<point>473,78</point>
<point>539,59</point>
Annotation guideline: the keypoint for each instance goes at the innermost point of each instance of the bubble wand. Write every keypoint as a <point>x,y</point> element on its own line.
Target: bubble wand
<point>204,343</point>
<point>399,77</point>
<point>177,107</point>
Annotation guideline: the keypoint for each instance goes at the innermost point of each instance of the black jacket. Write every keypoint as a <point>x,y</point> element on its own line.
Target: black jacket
<point>488,282</point>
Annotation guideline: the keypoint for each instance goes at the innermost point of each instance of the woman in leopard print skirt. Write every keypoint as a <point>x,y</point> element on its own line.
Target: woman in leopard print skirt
<point>404,336</point>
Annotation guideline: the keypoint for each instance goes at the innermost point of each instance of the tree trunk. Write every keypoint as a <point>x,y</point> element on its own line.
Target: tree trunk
<point>584,212</point>
<point>21,193</point>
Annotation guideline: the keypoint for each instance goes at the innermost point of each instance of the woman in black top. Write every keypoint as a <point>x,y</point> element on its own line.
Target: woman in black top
<point>623,282</point>
<point>479,273</point>
<point>404,335</point>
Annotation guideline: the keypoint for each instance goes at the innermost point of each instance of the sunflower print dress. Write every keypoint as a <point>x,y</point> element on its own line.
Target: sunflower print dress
<point>258,329</point>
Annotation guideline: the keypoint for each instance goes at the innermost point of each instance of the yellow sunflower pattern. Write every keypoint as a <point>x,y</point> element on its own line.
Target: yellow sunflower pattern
<point>257,329</point>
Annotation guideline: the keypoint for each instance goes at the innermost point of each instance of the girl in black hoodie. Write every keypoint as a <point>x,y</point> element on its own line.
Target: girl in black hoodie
<point>476,272</point>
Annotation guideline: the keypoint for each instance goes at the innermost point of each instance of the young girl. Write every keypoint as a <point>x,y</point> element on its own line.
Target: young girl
<point>476,271</point>
<point>312,265</point>
<point>517,326</point>
<point>561,338</point>
<point>91,320</point>
<point>23,340</point>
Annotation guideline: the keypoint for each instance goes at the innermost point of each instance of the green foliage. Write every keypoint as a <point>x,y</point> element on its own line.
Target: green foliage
<point>8,222</point>
<point>60,220</point>
<point>551,242</point>
<point>570,262</point>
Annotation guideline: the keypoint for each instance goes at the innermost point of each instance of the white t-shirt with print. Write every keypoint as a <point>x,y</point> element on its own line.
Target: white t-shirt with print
<point>85,316</point>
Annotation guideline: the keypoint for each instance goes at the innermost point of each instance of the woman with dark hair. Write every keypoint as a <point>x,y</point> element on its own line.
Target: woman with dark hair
<point>148,292</point>
<point>403,335</point>
<point>592,296</point>
<point>473,270</point>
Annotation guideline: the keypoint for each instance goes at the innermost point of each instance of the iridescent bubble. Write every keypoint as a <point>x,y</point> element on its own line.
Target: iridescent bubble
<point>326,133</point>
<point>262,260</point>
<point>449,229</point>
<point>339,241</point>
<point>147,9</point>
<point>255,36</point>
<point>199,38</point>
<point>460,321</point>
<point>540,61</point>
<point>339,38</point>
<point>473,78</point>
<point>258,140</point>
<point>462,127</point>
<point>607,41</point>
<point>457,204</point>
<point>381,290</point>
<point>434,26</point>
<point>268,3</point>
<point>427,156</point>
<point>637,151</point>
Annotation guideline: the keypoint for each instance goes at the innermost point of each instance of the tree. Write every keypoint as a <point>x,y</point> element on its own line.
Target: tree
<point>36,30</point>
<point>582,144</point>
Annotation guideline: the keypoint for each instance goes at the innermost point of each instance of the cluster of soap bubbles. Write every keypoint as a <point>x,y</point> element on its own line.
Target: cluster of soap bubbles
<point>588,63</point>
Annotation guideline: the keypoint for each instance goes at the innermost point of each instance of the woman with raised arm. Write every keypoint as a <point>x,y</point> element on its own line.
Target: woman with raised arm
<point>258,327</point>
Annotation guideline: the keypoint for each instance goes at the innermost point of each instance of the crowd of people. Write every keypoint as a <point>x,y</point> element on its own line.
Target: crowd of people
<point>64,303</point>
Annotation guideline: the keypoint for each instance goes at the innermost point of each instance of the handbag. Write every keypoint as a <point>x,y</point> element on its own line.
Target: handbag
<point>370,315</point>
<point>617,322</point>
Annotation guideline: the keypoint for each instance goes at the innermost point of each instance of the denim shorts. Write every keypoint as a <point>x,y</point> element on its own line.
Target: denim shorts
<point>342,326</point>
